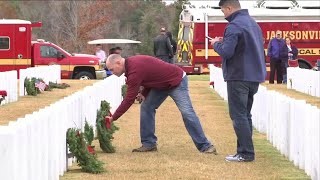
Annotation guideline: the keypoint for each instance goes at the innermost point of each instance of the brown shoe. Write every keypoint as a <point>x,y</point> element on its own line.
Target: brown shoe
<point>211,150</point>
<point>145,149</point>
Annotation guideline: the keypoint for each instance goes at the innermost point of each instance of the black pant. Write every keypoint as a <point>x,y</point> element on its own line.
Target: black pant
<point>166,59</point>
<point>275,65</point>
<point>240,100</point>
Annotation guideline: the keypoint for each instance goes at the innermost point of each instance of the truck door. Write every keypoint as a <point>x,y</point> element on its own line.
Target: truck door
<point>22,46</point>
<point>51,55</point>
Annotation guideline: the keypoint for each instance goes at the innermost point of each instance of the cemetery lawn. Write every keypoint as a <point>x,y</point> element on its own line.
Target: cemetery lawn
<point>177,157</point>
<point>282,88</point>
<point>28,104</point>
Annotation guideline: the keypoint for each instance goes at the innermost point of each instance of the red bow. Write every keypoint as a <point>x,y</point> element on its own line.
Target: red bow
<point>107,123</point>
<point>78,134</point>
<point>3,93</point>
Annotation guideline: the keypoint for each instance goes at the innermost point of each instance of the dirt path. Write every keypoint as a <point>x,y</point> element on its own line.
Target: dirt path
<point>177,157</point>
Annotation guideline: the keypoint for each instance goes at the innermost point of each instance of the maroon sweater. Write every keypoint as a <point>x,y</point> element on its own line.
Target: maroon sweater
<point>149,72</point>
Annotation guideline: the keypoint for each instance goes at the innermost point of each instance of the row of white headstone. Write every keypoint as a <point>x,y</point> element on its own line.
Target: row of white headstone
<point>291,125</point>
<point>34,147</point>
<point>9,83</point>
<point>9,80</point>
<point>304,80</point>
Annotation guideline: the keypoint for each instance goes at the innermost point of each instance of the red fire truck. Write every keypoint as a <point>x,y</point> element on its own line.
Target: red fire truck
<point>204,18</point>
<point>17,51</point>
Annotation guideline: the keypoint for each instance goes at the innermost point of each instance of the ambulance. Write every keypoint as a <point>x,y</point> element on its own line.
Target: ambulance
<point>18,51</point>
<point>299,20</point>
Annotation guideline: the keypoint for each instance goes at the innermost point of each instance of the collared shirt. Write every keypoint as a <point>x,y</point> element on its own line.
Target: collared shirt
<point>149,72</point>
<point>101,55</point>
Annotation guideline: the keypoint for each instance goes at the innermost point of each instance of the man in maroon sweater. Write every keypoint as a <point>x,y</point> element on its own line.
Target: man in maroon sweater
<point>159,80</point>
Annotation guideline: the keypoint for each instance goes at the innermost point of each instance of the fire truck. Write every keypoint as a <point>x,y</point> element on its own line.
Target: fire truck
<point>299,21</point>
<point>18,51</point>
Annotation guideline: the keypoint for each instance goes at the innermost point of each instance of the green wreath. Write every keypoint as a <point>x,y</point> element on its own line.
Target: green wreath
<point>105,134</point>
<point>78,148</point>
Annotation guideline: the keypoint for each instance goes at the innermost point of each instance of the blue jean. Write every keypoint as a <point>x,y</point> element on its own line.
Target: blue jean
<point>285,66</point>
<point>180,95</point>
<point>240,100</point>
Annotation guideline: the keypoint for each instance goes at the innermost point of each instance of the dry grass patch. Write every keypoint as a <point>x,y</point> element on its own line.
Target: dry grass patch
<point>28,104</point>
<point>177,157</point>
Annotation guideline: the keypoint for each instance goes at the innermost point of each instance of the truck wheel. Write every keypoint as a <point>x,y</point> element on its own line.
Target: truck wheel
<point>84,75</point>
<point>303,64</point>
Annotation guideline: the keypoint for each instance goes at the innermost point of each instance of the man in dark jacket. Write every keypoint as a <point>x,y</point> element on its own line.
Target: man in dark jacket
<point>278,53</point>
<point>159,80</point>
<point>162,47</point>
<point>243,68</point>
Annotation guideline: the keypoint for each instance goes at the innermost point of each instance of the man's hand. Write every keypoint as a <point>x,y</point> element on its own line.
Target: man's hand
<point>216,39</point>
<point>140,97</point>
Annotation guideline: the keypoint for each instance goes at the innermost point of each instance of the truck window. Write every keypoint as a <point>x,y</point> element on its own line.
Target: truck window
<point>48,52</point>
<point>4,43</point>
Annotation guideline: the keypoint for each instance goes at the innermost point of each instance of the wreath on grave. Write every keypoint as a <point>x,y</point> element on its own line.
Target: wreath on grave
<point>3,95</point>
<point>78,147</point>
<point>105,128</point>
<point>89,136</point>
<point>34,86</point>
<point>124,89</point>
<point>58,85</point>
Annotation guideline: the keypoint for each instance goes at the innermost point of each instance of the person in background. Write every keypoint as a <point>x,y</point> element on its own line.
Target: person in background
<point>278,53</point>
<point>292,55</point>
<point>118,50</point>
<point>115,50</point>
<point>100,53</point>
<point>244,68</point>
<point>162,47</point>
<point>160,80</point>
<point>173,43</point>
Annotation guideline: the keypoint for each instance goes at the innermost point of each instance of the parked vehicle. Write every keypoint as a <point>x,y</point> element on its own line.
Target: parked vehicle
<point>18,51</point>
<point>299,22</point>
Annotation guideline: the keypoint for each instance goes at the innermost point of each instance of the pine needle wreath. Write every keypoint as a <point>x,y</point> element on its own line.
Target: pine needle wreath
<point>78,147</point>
<point>124,89</point>
<point>58,85</point>
<point>105,134</point>
<point>88,133</point>
<point>30,86</point>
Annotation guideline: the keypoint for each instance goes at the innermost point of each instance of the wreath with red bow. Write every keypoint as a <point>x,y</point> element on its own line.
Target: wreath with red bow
<point>3,95</point>
<point>105,128</point>
<point>79,148</point>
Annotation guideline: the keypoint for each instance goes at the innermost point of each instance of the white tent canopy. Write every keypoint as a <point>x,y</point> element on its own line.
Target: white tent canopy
<point>113,41</point>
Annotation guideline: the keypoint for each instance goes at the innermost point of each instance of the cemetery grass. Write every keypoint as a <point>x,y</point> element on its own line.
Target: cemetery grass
<point>28,104</point>
<point>177,157</point>
<point>282,88</point>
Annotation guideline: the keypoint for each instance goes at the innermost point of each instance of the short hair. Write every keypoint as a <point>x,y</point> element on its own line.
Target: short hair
<point>113,57</point>
<point>98,45</point>
<point>233,3</point>
<point>118,48</point>
<point>112,50</point>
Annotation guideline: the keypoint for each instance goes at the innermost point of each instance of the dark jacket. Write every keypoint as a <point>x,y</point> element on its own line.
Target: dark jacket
<point>294,51</point>
<point>149,72</point>
<point>162,46</point>
<point>242,49</point>
<point>173,42</point>
<point>277,49</point>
